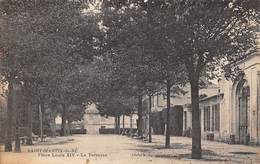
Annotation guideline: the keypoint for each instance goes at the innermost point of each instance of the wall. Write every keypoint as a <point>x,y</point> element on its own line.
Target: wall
<point>158,121</point>
<point>93,120</point>
<point>3,110</point>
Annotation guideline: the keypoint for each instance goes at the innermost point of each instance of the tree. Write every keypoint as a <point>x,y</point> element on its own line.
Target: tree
<point>168,71</point>
<point>109,94</point>
<point>141,49</point>
<point>75,113</point>
<point>71,96</point>
<point>115,106</point>
<point>44,39</point>
<point>127,43</point>
<point>206,36</point>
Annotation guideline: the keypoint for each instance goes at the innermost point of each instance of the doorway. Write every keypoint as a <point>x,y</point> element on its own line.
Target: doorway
<point>244,106</point>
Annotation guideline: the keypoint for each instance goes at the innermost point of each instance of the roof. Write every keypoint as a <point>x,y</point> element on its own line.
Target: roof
<point>212,97</point>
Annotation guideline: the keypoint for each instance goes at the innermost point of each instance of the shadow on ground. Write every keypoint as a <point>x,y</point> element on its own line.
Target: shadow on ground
<point>173,146</point>
<point>57,142</point>
<point>188,157</point>
<point>208,155</point>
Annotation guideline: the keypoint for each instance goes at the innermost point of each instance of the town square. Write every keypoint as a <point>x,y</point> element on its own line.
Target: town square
<point>129,81</point>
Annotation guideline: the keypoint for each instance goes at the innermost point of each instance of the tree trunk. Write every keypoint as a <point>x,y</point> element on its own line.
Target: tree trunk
<point>9,120</point>
<point>41,121</point>
<point>196,127</point>
<point>29,110</point>
<point>29,124</point>
<point>167,136</point>
<point>16,107</point>
<point>123,122</point>
<point>131,124</point>
<point>53,123</point>
<point>140,114</point>
<point>115,125</point>
<point>63,126</point>
<point>63,121</point>
<point>69,127</point>
<point>149,119</point>
<point>118,123</point>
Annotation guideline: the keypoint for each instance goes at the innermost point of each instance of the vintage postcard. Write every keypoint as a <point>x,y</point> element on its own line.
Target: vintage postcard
<point>129,81</point>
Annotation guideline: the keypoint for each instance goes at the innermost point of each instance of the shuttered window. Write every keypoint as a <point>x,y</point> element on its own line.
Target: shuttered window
<point>215,117</point>
<point>207,118</point>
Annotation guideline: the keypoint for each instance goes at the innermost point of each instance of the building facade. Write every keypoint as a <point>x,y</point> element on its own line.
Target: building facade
<point>233,114</point>
<point>178,102</point>
<point>230,110</point>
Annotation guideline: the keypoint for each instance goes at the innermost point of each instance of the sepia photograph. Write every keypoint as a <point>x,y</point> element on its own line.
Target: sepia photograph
<point>129,82</point>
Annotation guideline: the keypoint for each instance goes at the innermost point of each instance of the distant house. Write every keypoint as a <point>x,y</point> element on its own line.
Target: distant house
<point>93,121</point>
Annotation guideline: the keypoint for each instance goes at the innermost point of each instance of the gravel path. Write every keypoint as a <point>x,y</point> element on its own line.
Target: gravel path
<point>114,149</point>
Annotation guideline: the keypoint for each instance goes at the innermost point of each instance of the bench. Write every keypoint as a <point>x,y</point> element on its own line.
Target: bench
<point>44,138</point>
<point>35,137</point>
<point>145,137</point>
<point>135,135</point>
<point>125,132</point>
<point>23,139</point>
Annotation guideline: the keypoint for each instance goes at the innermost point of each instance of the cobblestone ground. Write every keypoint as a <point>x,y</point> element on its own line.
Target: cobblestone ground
<point>114,149</point>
